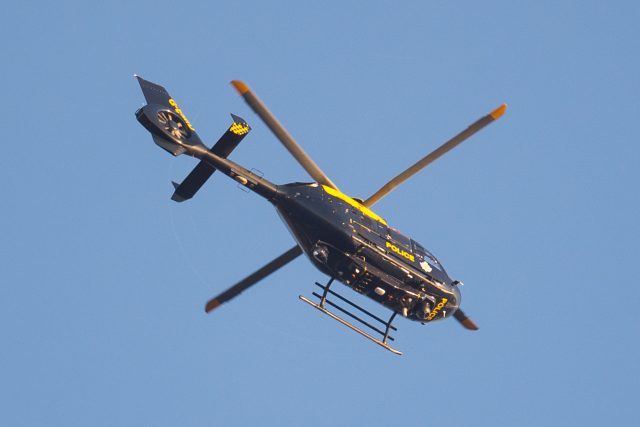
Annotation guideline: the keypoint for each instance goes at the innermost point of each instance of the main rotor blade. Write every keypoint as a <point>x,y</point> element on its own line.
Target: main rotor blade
<point>281,133</point>
<point>254,278</point>
<point>435,154</point>
<point>465,321</point>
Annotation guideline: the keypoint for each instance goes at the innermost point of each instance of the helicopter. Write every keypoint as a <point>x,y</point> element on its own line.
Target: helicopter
<point>339,234</point>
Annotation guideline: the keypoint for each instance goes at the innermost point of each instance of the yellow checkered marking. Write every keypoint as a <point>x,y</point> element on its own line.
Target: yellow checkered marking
<point>239,128</point>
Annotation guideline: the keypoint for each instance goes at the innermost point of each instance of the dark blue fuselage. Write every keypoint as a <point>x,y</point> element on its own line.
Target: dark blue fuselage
<point>348,242</point>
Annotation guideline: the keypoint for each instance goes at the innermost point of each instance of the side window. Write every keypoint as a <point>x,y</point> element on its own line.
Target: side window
<point>419,248</point>
<point>399,238</point>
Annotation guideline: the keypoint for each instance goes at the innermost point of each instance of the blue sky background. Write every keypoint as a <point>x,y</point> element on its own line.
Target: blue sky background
<point>104,278</point>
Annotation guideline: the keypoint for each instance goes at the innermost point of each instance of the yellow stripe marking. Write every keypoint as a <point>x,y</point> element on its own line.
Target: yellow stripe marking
<point>365,210</point>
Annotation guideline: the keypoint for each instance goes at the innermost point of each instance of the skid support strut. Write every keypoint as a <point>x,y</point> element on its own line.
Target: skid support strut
<point>324,302</point>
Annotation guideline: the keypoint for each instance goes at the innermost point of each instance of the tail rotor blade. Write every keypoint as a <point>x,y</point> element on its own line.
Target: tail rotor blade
<point>254,278</point>
<point>437,153</point>
<point>281,133</point>
<point>465,321</point>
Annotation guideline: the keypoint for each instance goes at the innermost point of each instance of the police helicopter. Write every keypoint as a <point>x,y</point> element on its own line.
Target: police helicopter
<point>339,234</point>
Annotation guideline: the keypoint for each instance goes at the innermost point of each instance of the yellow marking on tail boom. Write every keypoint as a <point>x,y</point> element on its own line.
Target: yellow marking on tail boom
<point>239,128</point>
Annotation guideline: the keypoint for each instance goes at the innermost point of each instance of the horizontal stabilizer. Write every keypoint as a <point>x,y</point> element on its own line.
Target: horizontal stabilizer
<point>203,170</point>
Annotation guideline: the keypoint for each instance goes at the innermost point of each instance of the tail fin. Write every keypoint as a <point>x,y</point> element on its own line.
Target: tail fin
<point>201,173</point>
<point>166,122</point>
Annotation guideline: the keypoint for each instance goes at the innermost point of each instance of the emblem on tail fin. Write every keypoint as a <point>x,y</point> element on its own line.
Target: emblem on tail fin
<point>179,111</point>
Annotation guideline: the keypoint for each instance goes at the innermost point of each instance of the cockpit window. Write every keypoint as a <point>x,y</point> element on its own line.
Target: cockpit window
<point>428,256</point>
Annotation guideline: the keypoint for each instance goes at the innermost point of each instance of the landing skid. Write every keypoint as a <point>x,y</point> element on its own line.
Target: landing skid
<point>321,306</point>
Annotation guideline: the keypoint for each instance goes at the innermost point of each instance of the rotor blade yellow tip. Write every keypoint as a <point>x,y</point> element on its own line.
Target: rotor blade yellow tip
<point>498,112</point>
<point>211,305</point>
<point>240,86</point>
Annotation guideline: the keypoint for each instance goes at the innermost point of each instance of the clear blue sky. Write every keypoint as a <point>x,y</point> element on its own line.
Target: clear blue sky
<point>104,278</point>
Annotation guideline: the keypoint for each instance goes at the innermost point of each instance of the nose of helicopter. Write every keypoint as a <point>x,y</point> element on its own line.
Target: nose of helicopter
<point>457,297</point>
